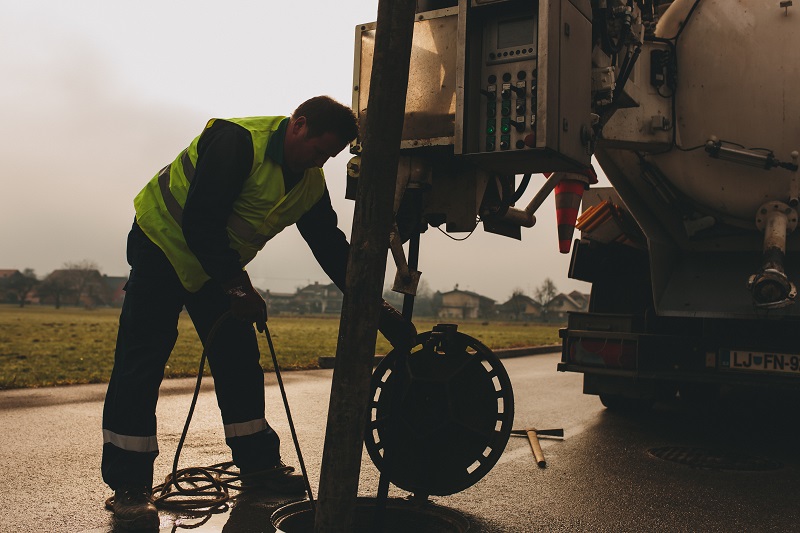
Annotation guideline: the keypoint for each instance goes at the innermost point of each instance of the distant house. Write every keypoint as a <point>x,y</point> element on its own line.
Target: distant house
<point>580,298</point>
<point>519,307</point>
<point>280,302</point>
<point>318,299</point>
<point>8,272</point>
<point>562,304</point>
<point>115,289</point>
<point>79,287</point>
<point>6,275</point>
<point>14,286</point>
<point>460,304</point>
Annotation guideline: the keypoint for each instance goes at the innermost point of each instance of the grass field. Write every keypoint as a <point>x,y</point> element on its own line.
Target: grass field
<point>43,346</point>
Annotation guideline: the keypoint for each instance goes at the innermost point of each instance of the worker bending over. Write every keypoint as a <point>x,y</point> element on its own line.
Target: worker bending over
<point>199,221</point>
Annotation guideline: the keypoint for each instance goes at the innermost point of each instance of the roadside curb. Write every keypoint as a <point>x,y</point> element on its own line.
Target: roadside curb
<point>328,361</point>
<point>46,396</point>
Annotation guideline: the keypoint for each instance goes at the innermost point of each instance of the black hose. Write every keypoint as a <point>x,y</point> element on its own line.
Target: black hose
<point>627,68</point>
<point>205,490</point>
<point>686,20</point>
<point>289,417</point>
<point>526,179</point>
<point>219,492</point>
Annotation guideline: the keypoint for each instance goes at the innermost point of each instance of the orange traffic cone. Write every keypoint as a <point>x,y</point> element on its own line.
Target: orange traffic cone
<point>569,193</point>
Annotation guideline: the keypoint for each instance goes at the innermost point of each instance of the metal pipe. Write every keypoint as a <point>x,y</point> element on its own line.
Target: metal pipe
<point>771,288</point>
<point>544,192</point>
<point>415,195</point>
<point>347,414</point>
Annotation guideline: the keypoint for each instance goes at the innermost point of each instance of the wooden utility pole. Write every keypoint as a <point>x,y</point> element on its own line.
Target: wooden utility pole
<point>344,435</point>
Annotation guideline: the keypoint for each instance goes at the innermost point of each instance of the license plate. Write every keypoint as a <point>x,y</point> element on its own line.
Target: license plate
<point>760,361</point>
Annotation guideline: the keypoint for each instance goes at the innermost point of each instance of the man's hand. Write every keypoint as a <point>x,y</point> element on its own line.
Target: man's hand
<point>401,333</point>
<point>247,304</point>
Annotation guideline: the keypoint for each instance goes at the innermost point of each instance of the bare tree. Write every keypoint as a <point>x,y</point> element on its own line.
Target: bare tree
<point>544,294</point>
<point>19,285</point>
<point>436,303</point>
<point>423,289</point>
<point>517,301</point>
<point>84,278</point>
<point>78,281</point>
<point>423,301</point>
<point>57,286</point>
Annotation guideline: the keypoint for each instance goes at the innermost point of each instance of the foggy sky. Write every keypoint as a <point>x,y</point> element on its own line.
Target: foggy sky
<point>97,96</point>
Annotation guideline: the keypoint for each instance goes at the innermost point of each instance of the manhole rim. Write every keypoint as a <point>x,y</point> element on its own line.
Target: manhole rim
<point>723,460</point>
<point>455,518</point>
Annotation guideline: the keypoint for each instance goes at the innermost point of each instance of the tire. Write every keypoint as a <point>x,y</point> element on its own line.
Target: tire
<point>623,404</point>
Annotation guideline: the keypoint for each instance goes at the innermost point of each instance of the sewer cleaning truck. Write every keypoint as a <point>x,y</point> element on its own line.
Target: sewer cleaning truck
<point>692,254</point>
<point>690,109</point>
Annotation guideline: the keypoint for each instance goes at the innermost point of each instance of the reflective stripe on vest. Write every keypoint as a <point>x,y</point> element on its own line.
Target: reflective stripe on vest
<point>261,211</point>
<point>188,167</point>
<point>235,222</point>
<point>170,202</point>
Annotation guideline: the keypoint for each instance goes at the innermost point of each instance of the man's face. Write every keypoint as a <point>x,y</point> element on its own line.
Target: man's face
<point>302,152</point>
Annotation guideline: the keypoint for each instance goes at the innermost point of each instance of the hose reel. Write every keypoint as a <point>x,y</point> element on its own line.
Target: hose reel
<point>440,415</point>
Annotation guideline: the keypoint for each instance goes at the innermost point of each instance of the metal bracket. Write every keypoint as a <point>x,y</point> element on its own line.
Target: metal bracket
<point>405,280</point>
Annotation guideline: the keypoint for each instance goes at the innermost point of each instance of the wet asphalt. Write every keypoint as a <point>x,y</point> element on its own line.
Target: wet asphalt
<point>602,476</point>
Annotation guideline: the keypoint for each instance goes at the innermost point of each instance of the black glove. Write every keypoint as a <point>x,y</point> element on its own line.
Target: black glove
<point>247,304</point>
<point>401,333</point>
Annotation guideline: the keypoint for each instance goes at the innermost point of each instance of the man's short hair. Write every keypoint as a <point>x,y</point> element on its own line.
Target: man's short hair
<point>324,114</point>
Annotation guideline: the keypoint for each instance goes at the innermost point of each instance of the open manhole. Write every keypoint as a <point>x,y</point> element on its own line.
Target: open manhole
<point>400,516</point>
<point>712,459</point>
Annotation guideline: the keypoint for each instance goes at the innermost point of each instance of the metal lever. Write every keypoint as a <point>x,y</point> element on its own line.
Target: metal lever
<point>533,435</point>
<point>405,280</point>
<point>524,217</point>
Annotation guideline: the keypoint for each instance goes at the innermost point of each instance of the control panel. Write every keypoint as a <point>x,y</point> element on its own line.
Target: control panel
<point>508,76</point>
<point>525,85</point>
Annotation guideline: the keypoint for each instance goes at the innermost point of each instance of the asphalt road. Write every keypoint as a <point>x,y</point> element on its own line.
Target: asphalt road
<point>600,477</point>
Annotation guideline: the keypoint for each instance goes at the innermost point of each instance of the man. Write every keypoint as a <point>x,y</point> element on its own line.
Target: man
<point>198,222</point>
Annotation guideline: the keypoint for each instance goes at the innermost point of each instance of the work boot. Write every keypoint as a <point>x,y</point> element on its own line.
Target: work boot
<point>280,479</point>
<point>134,510</point>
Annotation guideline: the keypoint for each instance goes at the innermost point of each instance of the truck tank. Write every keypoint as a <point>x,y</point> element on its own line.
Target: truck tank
<point>715,206</point>
<point>693,255</point>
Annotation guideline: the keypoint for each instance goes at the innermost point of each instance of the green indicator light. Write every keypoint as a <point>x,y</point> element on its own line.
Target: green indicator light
<point>490,129</point>
<point>505,128</point>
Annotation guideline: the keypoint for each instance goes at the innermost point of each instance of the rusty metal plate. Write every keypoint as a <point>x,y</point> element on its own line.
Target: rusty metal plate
<point>431,98</point>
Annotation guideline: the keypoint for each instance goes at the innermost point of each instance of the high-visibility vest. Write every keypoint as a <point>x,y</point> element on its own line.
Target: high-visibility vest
<point>260,212</point>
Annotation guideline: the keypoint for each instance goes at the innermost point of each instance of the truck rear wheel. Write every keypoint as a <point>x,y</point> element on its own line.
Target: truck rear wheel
<point>624,404</point>
<point>698,393</point>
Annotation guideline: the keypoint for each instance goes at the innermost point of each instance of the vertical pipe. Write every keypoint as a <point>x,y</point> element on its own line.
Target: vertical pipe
<point>415,193</point>
<point>775,240</point>
<point>344,435</point>
<point>408,311</point>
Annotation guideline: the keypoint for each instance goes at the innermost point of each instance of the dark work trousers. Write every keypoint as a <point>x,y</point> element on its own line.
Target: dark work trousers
<point>147,333</point>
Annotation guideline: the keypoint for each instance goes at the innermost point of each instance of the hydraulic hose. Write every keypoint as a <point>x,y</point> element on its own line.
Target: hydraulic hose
<point>289,418</point>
